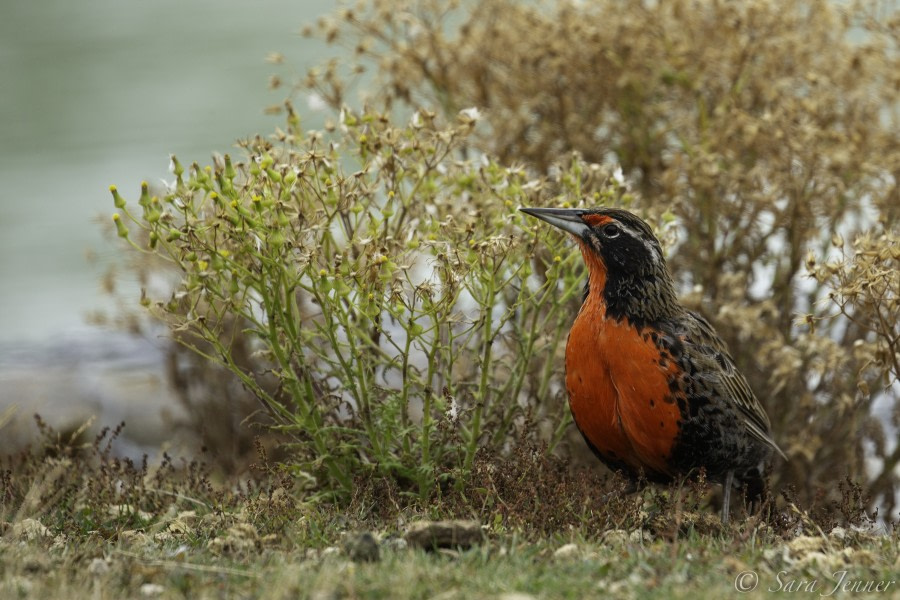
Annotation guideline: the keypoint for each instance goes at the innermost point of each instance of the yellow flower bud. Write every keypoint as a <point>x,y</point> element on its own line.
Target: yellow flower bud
<point>118,200</point>
<point>121,229</point>
<point>145,194</point>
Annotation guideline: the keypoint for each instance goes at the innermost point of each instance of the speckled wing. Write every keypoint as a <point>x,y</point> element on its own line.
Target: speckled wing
<point>716,366</point>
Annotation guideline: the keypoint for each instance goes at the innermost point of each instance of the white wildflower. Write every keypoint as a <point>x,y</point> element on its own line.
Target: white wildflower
<point>471,114</point>
<point>315,102</point>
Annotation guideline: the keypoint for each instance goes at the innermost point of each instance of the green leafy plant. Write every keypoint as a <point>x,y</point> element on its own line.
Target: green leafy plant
<point>399,312</point>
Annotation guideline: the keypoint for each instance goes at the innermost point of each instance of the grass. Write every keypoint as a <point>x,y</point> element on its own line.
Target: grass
<point>197,562</point>
<point>78,522</point>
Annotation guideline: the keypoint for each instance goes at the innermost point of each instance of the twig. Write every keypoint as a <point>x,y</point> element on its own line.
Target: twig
<point>173,564</point>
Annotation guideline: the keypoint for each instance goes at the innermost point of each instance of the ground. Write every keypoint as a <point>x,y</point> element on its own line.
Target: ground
<point>78,522</point>
<point>186,555</point>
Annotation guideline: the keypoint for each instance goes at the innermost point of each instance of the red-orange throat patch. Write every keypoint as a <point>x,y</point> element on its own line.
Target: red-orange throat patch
<point>595,265</point>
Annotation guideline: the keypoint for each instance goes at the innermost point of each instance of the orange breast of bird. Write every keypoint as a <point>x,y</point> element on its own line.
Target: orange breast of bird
<point>618,385</point>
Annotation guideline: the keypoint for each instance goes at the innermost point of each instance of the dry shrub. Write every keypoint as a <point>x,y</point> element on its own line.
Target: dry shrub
<point>77,486</point>
<point>80,489</point>
<point>768,128</point>
<point>535,491</point>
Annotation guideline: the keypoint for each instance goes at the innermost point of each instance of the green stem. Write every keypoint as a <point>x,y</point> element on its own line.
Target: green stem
<point>404,389</point>
<point>487,348</point>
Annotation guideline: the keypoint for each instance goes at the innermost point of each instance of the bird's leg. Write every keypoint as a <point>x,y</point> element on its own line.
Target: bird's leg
<point>726,496</point>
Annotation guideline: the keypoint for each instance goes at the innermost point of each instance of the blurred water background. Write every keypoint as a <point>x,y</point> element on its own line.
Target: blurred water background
<point>100,92</point>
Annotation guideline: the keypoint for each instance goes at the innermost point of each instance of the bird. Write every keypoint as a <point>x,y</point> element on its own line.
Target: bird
<point>652,387</point>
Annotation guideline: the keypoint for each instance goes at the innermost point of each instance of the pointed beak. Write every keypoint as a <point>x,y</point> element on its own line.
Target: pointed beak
<point>567,219</point>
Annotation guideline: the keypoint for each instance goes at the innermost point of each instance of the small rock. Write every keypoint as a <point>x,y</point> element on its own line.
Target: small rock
<point>639,536</point>
<point>177,527</point>
<point>30,529</point>
<point>163,537</point>
<point>839,533</point>
<point>131,537</point>
<point>431,535</point>
<point>614,589</point>
<point>212,520</point>
<point>20,586</point>
<point>566,551</point>
<point>59,543</point>
<point>805,544</point>
<point>362,547</point>
<point>184,522</point>
<point>771,555</point>
<point>244,530</point>
<point>151,590</point>
<point>187,516</point>
<point>98,567</point>
<point>733,565</point>
<point>395,544</point>
<point>282,500</point>
<point>855,557</point>
<point>242,537</point>
<point>828,562</point>
<point>704,523</point>
<point>616,537</point>
<point>329,551</point>
<point>36,564</point>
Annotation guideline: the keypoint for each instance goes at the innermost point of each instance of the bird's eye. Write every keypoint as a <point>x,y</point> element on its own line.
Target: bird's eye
<point>611,231</point>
